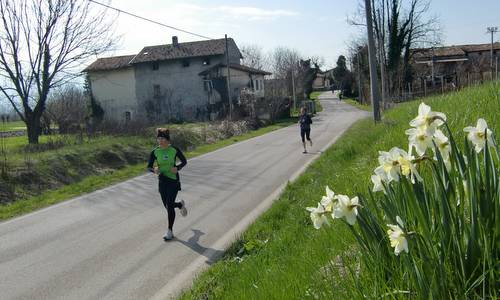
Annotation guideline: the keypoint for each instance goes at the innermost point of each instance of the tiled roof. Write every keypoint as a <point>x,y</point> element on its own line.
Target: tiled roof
<point>110,63</point>
<point>183,50</point>
<point>452,51</point>
<point>481,47</point>
<point>237,67</point>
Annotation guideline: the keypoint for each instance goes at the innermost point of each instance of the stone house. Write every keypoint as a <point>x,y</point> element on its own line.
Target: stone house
<point>321,81</point>
<point>456,65</point>
<point>177,81</point>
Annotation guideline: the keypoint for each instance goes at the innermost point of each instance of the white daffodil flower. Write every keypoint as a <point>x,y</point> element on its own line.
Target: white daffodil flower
<point>427,118</point>
<point>377,183</point>
<point>420,138</point>
<point>318,215</point>
<point>397,238</point>
<point>408,168</point>
<point>328,201</point>
<point>327,204</point>
<point>346,208</point>
<point>443,145</point>
<point>329,193</point>
<point>389,164</point>
<point>479,134</point>
<point>377,179</point>
<point>397,162</point>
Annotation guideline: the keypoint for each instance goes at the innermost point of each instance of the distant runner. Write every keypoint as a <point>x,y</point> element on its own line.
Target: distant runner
<point>169,183</point>
<point>305,122</point>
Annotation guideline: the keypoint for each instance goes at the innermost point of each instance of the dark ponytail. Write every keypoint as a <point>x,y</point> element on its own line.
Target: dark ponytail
<point>163,132</point>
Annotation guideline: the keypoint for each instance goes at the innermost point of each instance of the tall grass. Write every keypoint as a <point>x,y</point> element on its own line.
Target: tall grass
<point>292,260</point>
<point>444,226</point>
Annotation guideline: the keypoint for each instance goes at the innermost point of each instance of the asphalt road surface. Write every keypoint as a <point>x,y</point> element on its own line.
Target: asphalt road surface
<point>108,244</point>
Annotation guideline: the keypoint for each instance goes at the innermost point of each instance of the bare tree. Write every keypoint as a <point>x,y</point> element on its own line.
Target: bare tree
<point>282,61</point>
<point>399,26</point>
<point>253,56</point>
<point>67,108</point>
<point>318,61</point>
<point>42,44</point>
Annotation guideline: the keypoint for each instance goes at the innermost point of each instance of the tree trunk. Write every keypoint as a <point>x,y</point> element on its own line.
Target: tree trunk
<point>33,128</point>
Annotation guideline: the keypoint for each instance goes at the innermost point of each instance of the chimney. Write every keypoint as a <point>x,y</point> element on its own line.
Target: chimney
<point>175,41</point>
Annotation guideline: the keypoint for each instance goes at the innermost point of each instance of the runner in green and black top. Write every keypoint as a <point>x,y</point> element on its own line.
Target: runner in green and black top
<point>165,156</point>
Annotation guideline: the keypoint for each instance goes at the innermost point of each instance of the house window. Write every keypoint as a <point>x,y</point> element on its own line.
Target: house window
<point>256,85</point>
<point>128,116</point>
<point>206,61</point>
<point>156,91</point>
<point>185,63</point>
<point>156,66</point>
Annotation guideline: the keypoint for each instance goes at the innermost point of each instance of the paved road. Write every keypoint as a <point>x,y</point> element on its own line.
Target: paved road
<point>108,244</point>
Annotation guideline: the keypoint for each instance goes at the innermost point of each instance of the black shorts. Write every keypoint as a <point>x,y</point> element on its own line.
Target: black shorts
<point>168,189</point>
<point>305,133</point>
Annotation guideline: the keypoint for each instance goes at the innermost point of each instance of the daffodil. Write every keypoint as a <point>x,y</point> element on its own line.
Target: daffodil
<point>408,168</point>
<point>377,183</point>
<point>427,118</point>
<point>420,138</point>
<point>397,162</point>
<point>346,208</point>
<point>389,164</point>
<point>443,146</point>
<point>318,215</point>
<point>479,134</point>
<point>398,238</point>
<point>328,201</point>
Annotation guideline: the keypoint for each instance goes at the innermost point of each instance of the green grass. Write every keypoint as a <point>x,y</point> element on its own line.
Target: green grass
<point>109,177</point>
<point>285,257</point>
<point>10,126</point>
<point>357,104</point>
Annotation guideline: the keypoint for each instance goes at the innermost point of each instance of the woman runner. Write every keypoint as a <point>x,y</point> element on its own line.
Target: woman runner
<point>167,170</point>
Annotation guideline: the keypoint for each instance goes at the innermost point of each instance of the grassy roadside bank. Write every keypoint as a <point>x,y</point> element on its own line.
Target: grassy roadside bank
<point>356,104</point>
<point>112,176</point>
<point>281,256</point>
<point>9,126</point>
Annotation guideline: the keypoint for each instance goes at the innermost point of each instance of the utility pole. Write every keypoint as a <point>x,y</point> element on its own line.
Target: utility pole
<point>375,93</point>
<point>432,67</point>
<point>492,30</point>
<point>293,90</point>
<point>228,82</point>
<point>382,72</point>
<point>360,91</point>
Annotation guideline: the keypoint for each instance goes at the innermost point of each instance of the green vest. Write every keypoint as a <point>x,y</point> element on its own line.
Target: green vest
<point>165,158</point>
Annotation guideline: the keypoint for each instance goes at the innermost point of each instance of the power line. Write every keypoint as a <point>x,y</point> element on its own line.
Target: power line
<point>152,21</point>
